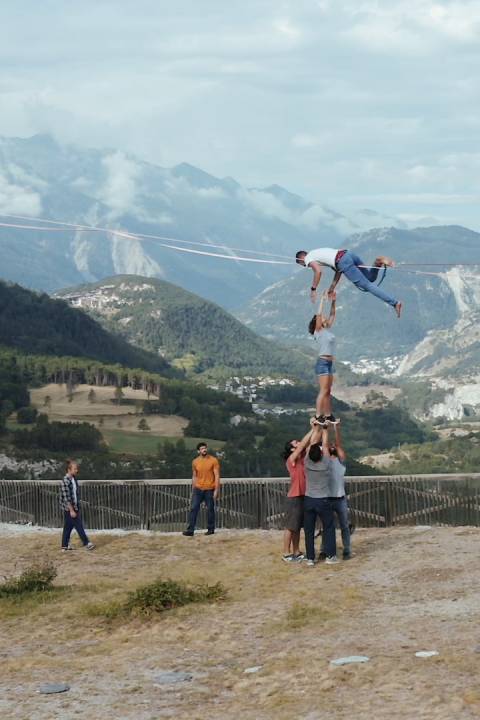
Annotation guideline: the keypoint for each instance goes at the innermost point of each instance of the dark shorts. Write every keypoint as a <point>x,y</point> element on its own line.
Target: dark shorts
<point>294,513</point>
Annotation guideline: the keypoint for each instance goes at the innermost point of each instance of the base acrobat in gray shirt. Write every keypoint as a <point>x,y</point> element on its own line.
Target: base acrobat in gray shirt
<point>337,473</point>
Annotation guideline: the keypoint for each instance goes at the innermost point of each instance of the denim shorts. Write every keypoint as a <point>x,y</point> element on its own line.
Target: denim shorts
<point>324,367</point>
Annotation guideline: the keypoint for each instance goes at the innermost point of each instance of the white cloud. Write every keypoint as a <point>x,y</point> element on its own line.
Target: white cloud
<point>316,215</point>
<point>267,204</point>
<point>304,140</point>
<point>420,198</point>
<point>284,26</point>
<point>211,193</point>
<point>16,199</point>
<point>413,26</point>
<point>120,187</point>
<point>21,176</point>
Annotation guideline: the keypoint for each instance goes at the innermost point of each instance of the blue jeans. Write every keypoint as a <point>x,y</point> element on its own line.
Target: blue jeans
<point>69,524</point>
<point>323,508</point>
<point>363,278</point>
<point>340,508</point>
<point>199,496</point>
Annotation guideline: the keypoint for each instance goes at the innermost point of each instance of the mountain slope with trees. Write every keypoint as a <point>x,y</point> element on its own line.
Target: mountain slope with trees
<point>37,324</point>
<point>186,329</point>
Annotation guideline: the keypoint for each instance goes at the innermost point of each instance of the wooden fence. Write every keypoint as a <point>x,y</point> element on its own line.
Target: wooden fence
<point>245,503</point>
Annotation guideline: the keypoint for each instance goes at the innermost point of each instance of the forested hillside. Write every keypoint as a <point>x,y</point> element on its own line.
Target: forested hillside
<point>191,332</point>
<point>37,324</point>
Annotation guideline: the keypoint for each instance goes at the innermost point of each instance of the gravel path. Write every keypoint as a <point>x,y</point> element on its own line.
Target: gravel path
<point>405,590</point>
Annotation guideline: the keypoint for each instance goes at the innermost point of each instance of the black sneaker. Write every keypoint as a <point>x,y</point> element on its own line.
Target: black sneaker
<point>347,554</point>
<point>209,532</point>
<point>332,420</point>
<point>188,533</point>
<point>321,420</point>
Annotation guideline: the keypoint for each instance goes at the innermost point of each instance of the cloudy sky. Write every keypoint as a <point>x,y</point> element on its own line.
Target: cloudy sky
<point>352,103</point>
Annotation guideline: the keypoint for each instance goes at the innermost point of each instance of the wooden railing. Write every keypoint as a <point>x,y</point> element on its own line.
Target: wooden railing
<point>245,503</point>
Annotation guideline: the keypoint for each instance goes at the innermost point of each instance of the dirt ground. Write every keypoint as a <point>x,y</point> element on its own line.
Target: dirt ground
<point>405,590</point>
<point>357,394</point>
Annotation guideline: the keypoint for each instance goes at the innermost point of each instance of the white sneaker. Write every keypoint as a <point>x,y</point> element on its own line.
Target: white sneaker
<point>67,549</point>
<point>331,560</point>
<point>90,546</point>
<point>310,563</point>
<point>288,558</point>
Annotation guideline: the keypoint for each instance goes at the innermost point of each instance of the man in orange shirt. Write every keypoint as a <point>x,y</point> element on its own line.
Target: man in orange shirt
<point>206,488</point>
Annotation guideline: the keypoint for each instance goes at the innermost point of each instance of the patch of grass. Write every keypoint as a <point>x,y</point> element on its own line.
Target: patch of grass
<point>157,597</point>
<point>35,579</point>
<point>23,595</point>
<point>134,443</point>
<point>300,615</point>
<point>14,425</point>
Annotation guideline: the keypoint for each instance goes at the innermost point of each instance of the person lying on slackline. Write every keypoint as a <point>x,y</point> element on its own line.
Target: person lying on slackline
<point>346,262</point>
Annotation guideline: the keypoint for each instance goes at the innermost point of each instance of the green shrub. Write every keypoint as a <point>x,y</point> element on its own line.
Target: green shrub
<point>161,595</point>
<point>33,580</point>
<point>27,415</point>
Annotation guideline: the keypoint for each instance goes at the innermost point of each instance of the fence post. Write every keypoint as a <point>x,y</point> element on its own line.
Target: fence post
<point>145,511</point>
<point>389,503</point>
<point>37,509</point>
<point>262,494</point>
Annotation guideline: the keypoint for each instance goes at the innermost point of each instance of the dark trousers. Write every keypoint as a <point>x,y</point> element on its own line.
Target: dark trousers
<point>321,507</point>
<point>69,523</point>
<point>199,496</point>
<point>340,509</point>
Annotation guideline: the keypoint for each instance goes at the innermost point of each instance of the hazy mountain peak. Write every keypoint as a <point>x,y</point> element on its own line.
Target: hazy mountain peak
<point>289,199</point>
<point>195,176</point>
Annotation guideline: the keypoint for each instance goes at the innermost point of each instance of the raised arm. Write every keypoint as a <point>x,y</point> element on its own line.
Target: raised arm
<point>341,454</point>
<point>335,281</point>
<point>319,319</point>
<point>301,447</point>
<point>324,440</point>
<point>333,308</point>
<point>312,437</point>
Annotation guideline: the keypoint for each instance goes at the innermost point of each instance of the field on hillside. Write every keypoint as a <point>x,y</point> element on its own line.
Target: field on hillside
<point>146,443</point>
<point>115,419</point>
<point>405,590</point>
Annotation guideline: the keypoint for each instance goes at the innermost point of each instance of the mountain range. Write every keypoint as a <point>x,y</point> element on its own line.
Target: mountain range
<point>107,188</point>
